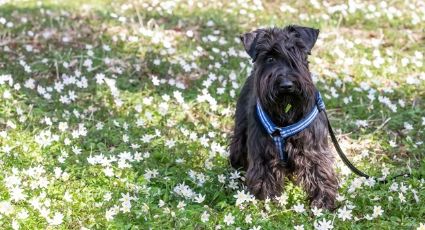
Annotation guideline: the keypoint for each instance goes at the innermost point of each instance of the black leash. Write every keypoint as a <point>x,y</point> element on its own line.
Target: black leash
<point>347,162</point>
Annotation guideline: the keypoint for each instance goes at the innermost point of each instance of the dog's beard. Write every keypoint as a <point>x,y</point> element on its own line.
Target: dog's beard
<point>286,108</point>
<point>283,109</point>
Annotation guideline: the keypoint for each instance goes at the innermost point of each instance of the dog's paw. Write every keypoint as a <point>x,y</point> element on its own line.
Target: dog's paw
<point>324,205</point>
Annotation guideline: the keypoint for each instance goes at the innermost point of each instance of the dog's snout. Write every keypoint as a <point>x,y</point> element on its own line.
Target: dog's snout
<point>286,85</point>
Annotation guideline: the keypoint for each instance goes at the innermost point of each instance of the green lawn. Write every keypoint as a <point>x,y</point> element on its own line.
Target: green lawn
<point>117,115</point>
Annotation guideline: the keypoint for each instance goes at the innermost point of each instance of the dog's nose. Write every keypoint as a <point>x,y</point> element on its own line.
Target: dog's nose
<point>286,85</point>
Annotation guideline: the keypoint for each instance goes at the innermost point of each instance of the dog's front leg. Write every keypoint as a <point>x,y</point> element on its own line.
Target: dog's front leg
<point>237,148</point>
<point>264,176</point>
<point>314,171</point>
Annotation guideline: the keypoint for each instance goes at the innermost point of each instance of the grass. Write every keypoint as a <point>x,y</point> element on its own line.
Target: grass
<point>117,115</point>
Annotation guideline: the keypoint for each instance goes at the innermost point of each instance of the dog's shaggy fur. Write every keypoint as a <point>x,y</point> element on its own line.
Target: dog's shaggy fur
<point>280,77</point>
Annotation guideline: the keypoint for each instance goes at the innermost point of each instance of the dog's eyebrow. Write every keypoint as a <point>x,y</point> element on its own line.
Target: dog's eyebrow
<point>280,50</point>
<point>272,52</point>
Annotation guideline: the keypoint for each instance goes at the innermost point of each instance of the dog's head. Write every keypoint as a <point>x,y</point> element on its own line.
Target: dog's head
<point>280,63</point>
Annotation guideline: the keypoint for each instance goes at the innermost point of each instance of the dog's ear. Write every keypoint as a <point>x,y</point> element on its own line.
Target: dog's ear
<point>308,36</point>
<point>249,41</point>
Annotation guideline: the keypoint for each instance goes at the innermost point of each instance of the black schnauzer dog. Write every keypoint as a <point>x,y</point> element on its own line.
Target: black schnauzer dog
<point>280,130</point>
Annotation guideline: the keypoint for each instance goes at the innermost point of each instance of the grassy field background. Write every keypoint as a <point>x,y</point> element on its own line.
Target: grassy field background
<point>117,114</point>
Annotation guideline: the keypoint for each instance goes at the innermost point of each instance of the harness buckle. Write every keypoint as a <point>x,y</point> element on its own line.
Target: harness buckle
<point>275,133</point>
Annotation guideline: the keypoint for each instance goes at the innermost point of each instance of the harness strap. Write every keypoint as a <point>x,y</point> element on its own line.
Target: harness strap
<point>285,132</point>
<point>280,134</point>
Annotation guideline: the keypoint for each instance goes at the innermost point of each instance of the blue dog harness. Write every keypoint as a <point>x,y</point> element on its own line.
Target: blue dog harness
<point>280,134</point>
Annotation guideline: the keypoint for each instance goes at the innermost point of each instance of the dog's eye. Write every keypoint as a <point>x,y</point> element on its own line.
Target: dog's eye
<point>270,60</point>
